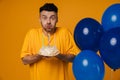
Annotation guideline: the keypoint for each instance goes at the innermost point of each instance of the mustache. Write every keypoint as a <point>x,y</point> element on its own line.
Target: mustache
<point>48,25</point>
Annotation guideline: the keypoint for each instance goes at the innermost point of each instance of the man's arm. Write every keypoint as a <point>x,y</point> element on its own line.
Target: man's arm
<point>29,59</point>
<point>66,57</point>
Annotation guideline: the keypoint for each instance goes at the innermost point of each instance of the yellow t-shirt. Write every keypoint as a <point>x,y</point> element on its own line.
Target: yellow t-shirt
<point>49,68</point>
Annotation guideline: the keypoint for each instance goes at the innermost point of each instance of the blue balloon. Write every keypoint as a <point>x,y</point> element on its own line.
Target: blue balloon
<point>87,34</point>
<point>110,48</point>
<point>87,65</point>
<point>111,17</point>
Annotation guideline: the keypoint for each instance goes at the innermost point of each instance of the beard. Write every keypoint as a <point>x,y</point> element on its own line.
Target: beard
<point>48,28</point>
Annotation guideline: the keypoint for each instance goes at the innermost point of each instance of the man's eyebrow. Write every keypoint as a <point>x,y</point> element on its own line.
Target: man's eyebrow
<point>50,16</point>
<point>53,15</point>
<point>43,15</point>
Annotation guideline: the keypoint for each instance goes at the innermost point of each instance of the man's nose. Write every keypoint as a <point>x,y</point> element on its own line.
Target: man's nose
<point>48,21</point>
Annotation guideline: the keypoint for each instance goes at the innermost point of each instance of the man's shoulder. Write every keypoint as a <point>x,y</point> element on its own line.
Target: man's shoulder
<point>62,29</point>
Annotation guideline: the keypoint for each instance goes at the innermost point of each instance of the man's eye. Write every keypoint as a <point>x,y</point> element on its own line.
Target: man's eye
<point>53,18</point>
<point>44,18</point>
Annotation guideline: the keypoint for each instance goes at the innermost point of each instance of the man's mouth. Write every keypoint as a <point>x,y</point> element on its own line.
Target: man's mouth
<point>49,26</point>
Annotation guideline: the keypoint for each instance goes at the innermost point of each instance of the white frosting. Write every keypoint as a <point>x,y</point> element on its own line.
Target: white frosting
<point>49,51</point>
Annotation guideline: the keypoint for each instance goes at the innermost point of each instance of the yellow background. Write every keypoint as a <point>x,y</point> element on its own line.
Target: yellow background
<point>18,16</point>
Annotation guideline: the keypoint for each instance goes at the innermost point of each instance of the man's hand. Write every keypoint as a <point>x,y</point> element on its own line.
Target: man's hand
<point>30,59</point>
<point>66,57</point>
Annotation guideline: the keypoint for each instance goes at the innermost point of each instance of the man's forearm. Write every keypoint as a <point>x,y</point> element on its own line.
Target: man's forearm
<point>66,57</point>
<point>29,59</point>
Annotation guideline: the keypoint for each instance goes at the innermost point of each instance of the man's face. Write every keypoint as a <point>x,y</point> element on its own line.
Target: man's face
<point>48,20</point>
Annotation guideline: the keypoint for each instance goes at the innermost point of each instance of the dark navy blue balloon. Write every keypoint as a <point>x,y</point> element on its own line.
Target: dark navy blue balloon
<point>87,65</point>
<point>87,34</point>
<point>111,17</point>
<point>110,48</point>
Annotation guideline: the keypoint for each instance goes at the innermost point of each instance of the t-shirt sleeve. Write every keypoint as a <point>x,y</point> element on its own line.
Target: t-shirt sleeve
<point>26,48</point>
<point>70,45</point>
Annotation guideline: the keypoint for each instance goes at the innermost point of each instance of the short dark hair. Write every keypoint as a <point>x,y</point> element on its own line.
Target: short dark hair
<point>48,7</point>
